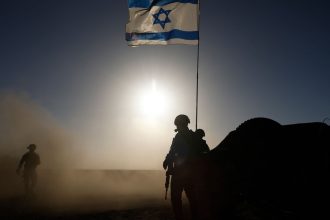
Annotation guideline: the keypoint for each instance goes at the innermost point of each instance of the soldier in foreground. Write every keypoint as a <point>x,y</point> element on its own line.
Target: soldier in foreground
<point>186,146</point>
<point>30,160</point>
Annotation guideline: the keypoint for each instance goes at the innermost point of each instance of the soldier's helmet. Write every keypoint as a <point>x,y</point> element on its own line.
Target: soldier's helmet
<point>32,147</point>
<point>182,120</point>
<point>200,133</point>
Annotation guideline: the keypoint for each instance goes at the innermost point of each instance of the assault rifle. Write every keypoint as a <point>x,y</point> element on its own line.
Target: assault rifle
<point>168,174</point>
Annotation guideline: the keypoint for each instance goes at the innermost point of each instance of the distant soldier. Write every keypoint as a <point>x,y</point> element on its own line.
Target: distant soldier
<point>200,134</point>
<point>30,160</point>
<point>185,147</point>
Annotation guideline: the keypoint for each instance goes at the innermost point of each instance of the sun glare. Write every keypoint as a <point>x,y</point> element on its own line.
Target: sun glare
<point>153,102</point>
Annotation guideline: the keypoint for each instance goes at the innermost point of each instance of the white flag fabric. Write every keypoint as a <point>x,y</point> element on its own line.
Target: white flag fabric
<point>162,22</point>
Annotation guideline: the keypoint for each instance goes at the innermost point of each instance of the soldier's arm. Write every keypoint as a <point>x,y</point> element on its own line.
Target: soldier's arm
<point>170,156</point>
<point>20,164</point>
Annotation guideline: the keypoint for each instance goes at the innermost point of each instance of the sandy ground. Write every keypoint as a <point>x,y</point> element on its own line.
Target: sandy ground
<point>20,208</point>
<point>86,194</point>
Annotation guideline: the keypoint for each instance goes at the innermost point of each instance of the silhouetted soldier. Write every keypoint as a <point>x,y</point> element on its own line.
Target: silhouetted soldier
<point>200,134</point>
<point>185,147</point>
<point>30,160</point>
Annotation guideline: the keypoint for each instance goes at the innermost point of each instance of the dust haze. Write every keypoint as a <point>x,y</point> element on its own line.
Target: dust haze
<point>24,122</point>
<point>83,191</point>
<point>61,185</point>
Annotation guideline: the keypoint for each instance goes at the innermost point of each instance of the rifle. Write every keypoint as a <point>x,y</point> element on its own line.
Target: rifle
<point>167,183</point>
<point>169,172</point>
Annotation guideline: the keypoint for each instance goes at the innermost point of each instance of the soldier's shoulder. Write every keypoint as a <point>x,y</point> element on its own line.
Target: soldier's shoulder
<point>193,134</point>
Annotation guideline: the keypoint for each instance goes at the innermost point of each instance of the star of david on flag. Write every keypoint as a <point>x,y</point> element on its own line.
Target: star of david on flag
<point>157,17</point>
<point>162,22</point>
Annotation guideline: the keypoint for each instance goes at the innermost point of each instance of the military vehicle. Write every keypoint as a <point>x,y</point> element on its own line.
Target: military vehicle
<point>265,170</point>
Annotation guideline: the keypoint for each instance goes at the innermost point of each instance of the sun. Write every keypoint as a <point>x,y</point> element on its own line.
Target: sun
<point>153,102</point>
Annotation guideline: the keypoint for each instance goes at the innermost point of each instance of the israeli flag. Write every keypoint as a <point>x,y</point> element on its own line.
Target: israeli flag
<point>162,22</point>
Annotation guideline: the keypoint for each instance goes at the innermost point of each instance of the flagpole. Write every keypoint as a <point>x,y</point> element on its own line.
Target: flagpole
<point>197,67</point>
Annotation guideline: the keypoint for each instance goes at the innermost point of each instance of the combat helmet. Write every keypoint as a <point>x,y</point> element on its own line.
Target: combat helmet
<point>200,132</point>
<point>181,120</point>
<point>32,147</point>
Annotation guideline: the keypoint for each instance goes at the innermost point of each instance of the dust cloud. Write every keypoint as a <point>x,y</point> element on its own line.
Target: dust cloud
<point>61,186</point>
<point>84,191</point>
<point>23,122</point>
<point>88,190</point>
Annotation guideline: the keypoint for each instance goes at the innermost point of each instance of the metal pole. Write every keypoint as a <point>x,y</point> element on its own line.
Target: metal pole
<point>197,72</point>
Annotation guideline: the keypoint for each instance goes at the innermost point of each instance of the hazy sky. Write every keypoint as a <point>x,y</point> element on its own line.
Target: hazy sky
<point>67,61</point>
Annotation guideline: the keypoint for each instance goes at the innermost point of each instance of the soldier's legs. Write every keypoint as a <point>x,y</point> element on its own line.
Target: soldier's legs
<point>33,180</point>
<point>30,179</point>
<point>191,195</point>
<point>176,197</point>
<point>26,184</point>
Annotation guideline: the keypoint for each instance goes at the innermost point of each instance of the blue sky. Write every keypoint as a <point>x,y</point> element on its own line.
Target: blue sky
<point>257,59</point>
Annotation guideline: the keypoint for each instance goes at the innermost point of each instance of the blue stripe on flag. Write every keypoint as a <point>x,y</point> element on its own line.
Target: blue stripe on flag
<point>163,36</point>
<point>149,3</point>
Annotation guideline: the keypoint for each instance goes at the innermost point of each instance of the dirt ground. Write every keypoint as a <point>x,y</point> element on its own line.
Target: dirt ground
<point>86,194</point>
<point>20,208</point>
